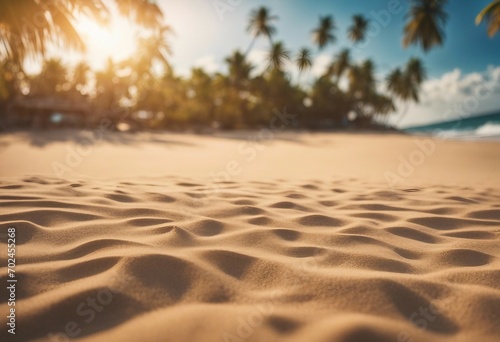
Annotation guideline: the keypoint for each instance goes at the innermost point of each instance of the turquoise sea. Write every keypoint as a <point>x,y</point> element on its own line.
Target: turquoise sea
<point>485,126</point>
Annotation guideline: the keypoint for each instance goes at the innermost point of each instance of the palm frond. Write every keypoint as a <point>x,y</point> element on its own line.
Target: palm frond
<point>490,14</point>
<point>424,24</point>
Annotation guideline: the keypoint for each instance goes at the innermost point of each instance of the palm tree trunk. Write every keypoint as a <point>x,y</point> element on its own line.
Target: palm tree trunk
<point>250,46</point>
<point>298,78</point>
<point>385,120</point>
<point>403,114</point>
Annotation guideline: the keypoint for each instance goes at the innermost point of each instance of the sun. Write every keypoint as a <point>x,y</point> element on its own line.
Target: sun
<point>117,40</point>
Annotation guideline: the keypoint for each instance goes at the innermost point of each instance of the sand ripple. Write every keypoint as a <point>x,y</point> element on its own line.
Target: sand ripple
<point>163,260</point>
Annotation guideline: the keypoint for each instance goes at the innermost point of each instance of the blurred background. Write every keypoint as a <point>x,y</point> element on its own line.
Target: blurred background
<point>421,65</point>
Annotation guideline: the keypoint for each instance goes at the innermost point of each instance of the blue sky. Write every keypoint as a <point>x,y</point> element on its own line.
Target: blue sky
<point>469,58</point>
<point>204,37</point>
<point>467,45</point>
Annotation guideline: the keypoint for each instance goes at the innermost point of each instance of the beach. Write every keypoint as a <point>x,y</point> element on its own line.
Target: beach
<point>250,236</point>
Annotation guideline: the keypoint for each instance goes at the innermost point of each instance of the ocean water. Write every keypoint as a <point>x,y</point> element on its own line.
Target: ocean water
<point>484,127</point>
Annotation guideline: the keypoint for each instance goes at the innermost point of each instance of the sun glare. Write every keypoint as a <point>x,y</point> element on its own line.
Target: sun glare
<point>115,40</point>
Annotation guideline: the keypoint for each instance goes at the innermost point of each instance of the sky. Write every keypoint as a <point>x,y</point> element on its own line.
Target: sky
<point>463,75</point>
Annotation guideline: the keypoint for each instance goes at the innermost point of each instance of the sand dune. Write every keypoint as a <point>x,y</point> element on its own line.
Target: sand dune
<point>162,259</point>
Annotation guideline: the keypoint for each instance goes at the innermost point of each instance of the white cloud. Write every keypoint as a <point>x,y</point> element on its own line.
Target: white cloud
<point>455,95</point>
<point>320,64</point>
<point>495,73</point>
<point>207,63</point>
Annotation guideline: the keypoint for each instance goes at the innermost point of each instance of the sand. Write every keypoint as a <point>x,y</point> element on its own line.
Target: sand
<point>310,237</point>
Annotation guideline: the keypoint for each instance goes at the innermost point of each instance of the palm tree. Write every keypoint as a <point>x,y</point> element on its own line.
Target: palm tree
<point>201,90</point>
<point>405,85</point>
<point>361,79</point>
<point>424,25</point>
<point>322,35</point>
<point>20,36</point>
<point>400,86</point>
<point>80,76</point>
<point>156,46</point>
<point>382,105</point>
<point>277,56</point>
<point>239,69</point>
<point>261,25</point>
<point>110,88</point>
<point>150,50</point>
<point>367,72</point>
<point>362,88</point>
<point>490,14</point>
<point>395,82</point>
<point>303,60</point>
<point>416,70</point>
<point>19,39</point>
<point>341,64</point>
<point>357,31</point>
<point>52,79</point>
<point>12,80</point>
<point>4,87</point>
<point>144,12</point>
